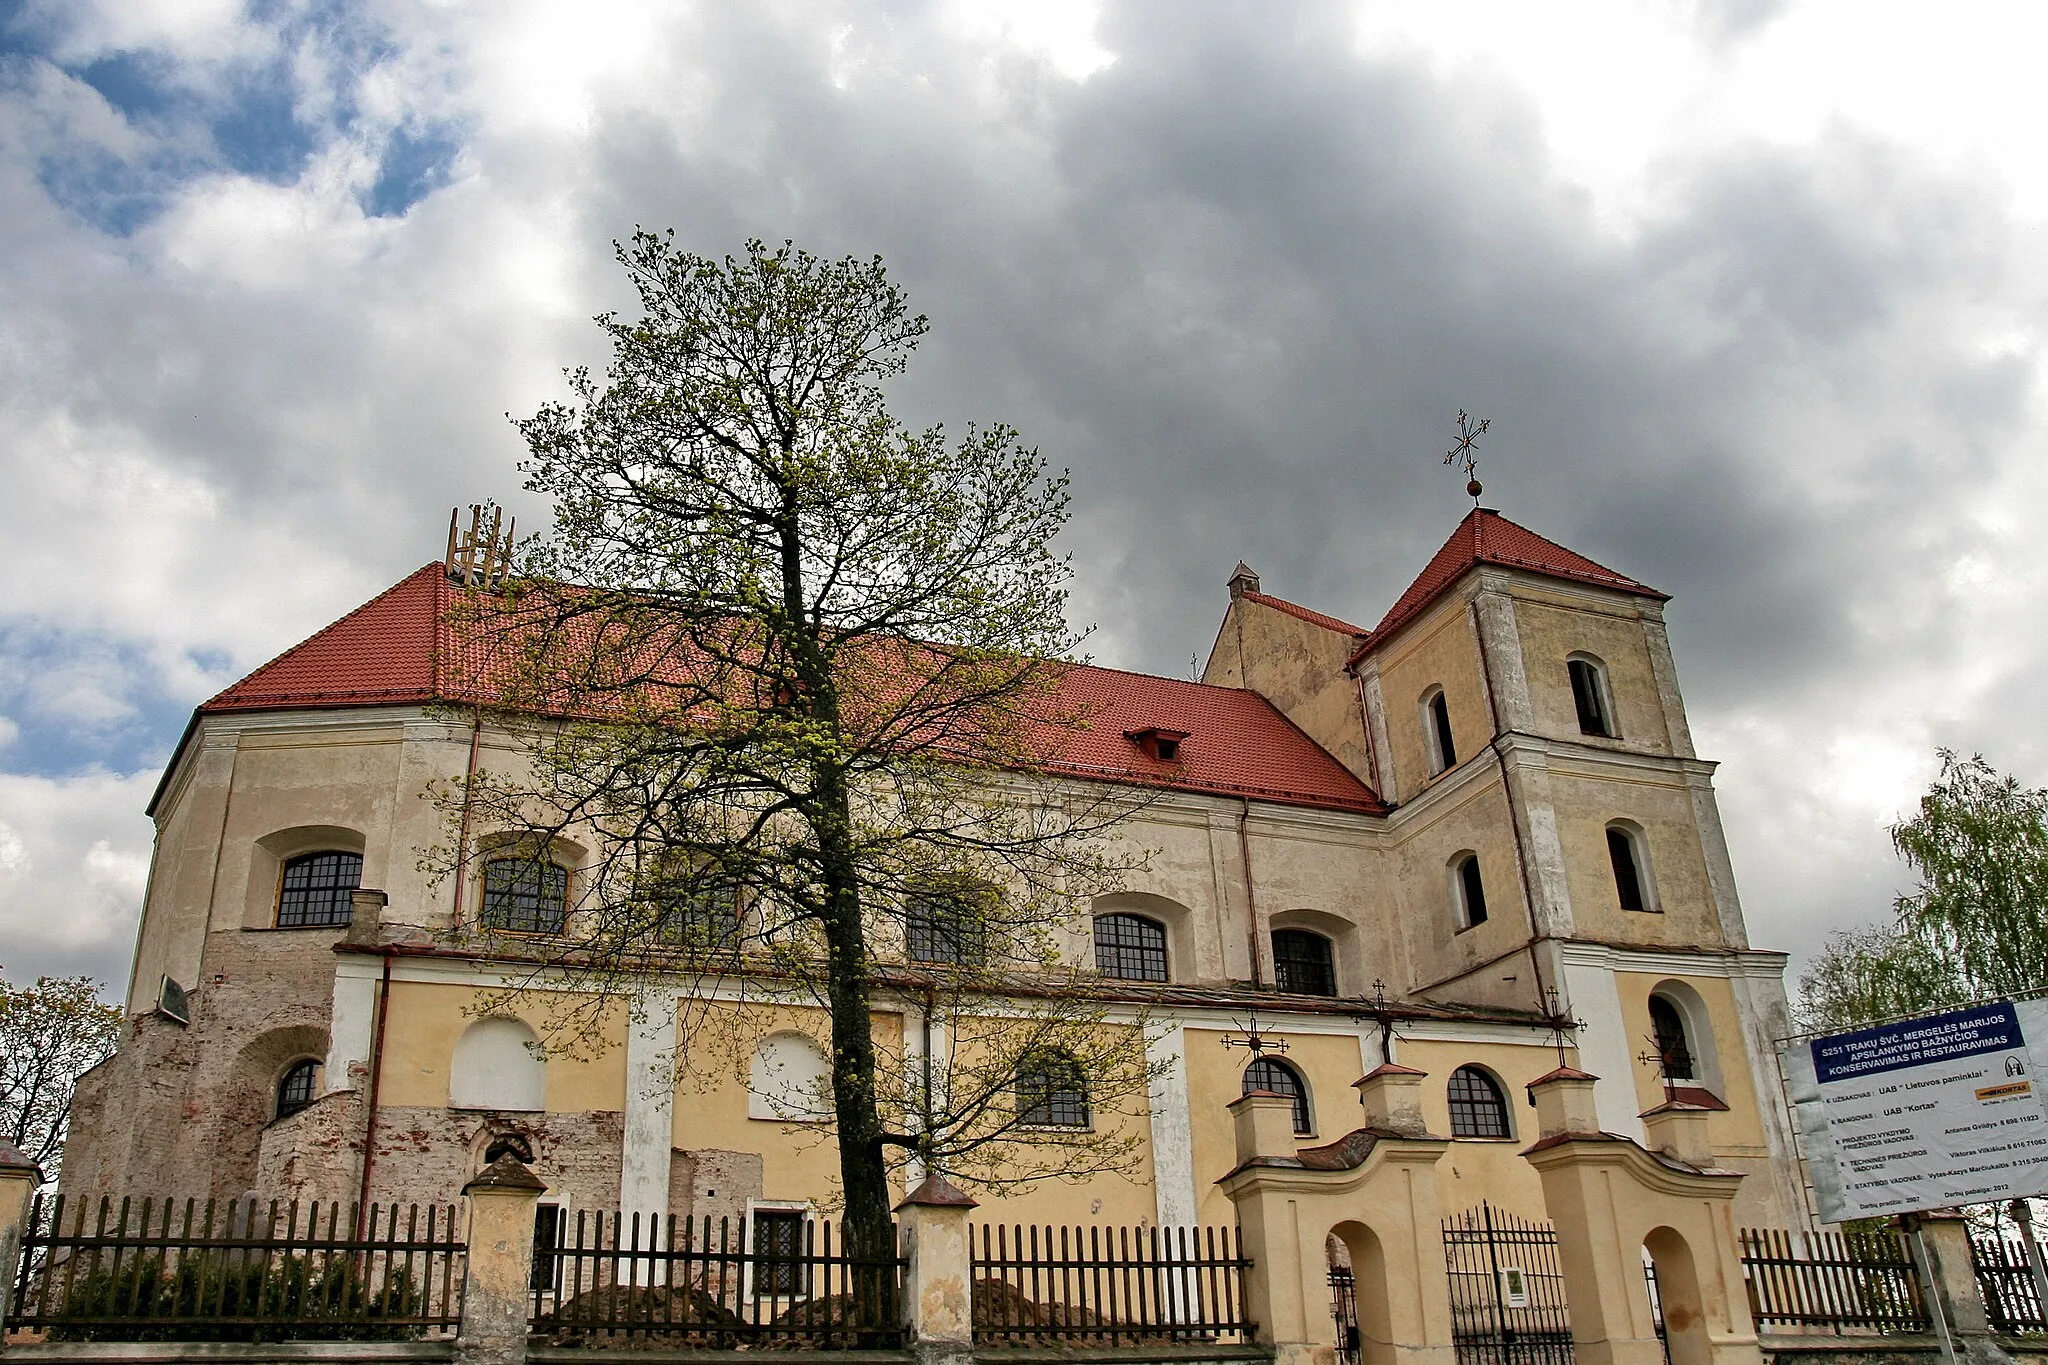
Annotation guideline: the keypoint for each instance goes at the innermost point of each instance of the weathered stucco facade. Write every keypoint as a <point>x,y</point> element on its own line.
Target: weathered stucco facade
<point>306,757</point>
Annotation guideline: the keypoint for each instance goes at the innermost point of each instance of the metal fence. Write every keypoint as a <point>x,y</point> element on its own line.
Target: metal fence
<point>1108,1286</point>
<point>769,1281</point>
<point>1507,1290</point>
<point>1846,1283</point>
<point>2012,1299</point>
<point>236,1271</point>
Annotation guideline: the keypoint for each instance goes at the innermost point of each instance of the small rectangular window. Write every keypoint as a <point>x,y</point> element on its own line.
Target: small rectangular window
<point>1628,877</point>
<point>779,1267</point>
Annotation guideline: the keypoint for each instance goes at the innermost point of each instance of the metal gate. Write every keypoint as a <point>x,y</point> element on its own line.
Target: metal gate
<point>1507,1293</point>
<point>1344,1308</point>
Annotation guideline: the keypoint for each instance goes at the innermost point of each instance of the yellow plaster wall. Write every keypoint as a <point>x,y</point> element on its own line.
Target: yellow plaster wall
<point>1488,1169</point>
<point>1739,1131</point>
<point>427,1018</point>
<point>1551,631</point>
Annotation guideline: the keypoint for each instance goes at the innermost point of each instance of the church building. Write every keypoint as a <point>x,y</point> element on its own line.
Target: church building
<point>1473,839</point>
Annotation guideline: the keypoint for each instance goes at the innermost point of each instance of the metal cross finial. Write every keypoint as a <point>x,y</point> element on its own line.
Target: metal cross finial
<point>1255,1042</point>
<point>1462,453</point>
<point>1384,1017</point>
<point>1560,1024</point>
<point>1658,1058</point>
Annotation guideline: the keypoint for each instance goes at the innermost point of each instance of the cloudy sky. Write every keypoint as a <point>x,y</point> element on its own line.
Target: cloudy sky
<point>1752,291</point>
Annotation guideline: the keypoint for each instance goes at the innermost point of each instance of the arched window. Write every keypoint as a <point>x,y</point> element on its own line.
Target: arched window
<point>1631,868</point>
<point>497,1065</point>
<point>790,1080</point>
<point>1303,963</point>
<point>703,920</point>
<point>1478,1109</point>
<point>945,927</point>
<point>297,1087</point>
<point>513,1145</point>
<point>1130,947</point>
<point>1589,695</point>
<point>1436,728</point>
<point>1674,1046</point>
<point>313,890</point>
<point>1052,1092</point>
<point>1267,1073</point>
<point>1468,890</point>
<point>525,896</point>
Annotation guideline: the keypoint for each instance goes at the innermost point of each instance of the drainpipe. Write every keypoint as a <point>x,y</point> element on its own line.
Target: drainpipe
<point>1251,899</point>
<point>376,1078</point>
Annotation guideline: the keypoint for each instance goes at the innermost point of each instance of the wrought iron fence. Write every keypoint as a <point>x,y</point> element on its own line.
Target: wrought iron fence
<point>236,1271</point>
<point>1507,1291</point>
<point>1108,1286</point>
<point>2012,1300</point>
<point>775,1280</point>
<point>1344,1310</point>
<point>1846,1283</point>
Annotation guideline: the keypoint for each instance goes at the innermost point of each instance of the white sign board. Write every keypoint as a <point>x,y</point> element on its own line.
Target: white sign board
<point>1926,1113</point>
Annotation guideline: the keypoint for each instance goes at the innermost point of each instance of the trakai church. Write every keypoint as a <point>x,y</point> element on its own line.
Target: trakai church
<point>1477,820</point>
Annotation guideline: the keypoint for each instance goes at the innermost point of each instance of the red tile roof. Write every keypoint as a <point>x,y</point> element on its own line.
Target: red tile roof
<point>400,648</point>
<point>1314,618</point>
<point>1487,537</point>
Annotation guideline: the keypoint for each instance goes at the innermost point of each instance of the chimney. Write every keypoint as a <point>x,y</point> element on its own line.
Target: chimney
<point>1243,581</point>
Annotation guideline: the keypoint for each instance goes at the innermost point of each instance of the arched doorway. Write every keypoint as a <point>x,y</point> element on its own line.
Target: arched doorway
<point>1678,1294</point>
<point>1368,1289</point>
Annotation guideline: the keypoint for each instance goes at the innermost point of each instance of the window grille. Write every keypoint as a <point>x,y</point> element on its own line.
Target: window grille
<point>1281,1079</point>
<point>1673,1047</point>
<point>942,930</point>
<point>780,1269</point>
<point>547,1241</point>
<point>295,1089</point>
<point>314,891</point>
<point>1478,1109</point>
<point>1472,890</point>
<point>1130,948</point>
<point>1052,1092</point>
<point>1303,963</point>
<point>1628,873</point>
<point>1588,698</point>
<point>705,920</point>
<point>525,896</point>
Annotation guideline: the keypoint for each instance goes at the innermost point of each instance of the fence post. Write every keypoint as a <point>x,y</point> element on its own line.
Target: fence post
<point>498,1271</point>
<point>18,1180</point>
<point>939,1299</point>
<point>1945,1239</point>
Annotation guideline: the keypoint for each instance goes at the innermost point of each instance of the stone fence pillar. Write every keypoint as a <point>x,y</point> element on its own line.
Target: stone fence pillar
<point>1944,1239</point>
<point>1611,1201</point>
<point>939,1290</point>
<point>18,1180</point>
<point>497,1285</point>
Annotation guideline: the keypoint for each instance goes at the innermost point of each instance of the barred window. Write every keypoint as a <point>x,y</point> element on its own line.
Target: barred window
<point>942,928</point>
<point>295,1088</point>
<point>314,891</point>
<point>705,920</point>
<point>525,896</point>
<point>1281,1079</point>
<point>549,1223</point>
<point>1478,1109</point>
<point>1674,1049</point>
<point>1052,1092</point>
<point>1303,963</point>
<point>779,1267</point>
<point>1130,948</point>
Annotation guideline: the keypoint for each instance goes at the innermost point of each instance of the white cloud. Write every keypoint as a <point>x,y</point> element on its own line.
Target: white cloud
<point>74,857</point>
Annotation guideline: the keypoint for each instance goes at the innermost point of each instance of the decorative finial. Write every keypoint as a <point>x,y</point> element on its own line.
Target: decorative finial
<point>1462,452</point>
<point>1560,1024</point>
<point>1658,1057</point>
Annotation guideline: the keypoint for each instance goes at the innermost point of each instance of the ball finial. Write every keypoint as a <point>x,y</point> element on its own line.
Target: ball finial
<point>1473,489</point>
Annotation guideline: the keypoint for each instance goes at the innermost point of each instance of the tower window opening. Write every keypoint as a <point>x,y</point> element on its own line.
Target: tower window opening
<point>1589,697</point>
<point>1470,890</point>
<point>1628,869</point>
<point>1444,750</point>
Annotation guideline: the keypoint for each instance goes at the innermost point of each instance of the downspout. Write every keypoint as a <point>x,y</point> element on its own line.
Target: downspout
<point>1372,755</point>
<point>1251,899</point>
<point>1514,825</point>
<point>376,1079</point>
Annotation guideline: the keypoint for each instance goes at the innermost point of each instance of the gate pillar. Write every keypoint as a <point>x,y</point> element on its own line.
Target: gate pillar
<point>1376,1190</point>
<point>1609,1199</point>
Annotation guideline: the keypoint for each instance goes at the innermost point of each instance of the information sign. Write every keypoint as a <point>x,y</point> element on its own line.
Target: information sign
<point>1925,1113</point>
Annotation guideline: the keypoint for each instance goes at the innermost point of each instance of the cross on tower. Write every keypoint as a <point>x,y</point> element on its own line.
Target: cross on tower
<point>1384,1017</point>
<point>1560,1022</point>
<point>1463,453</point>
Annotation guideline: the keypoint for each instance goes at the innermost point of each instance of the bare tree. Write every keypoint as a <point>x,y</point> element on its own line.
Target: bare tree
<point>788,673</point>
<point>51,1033</point>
